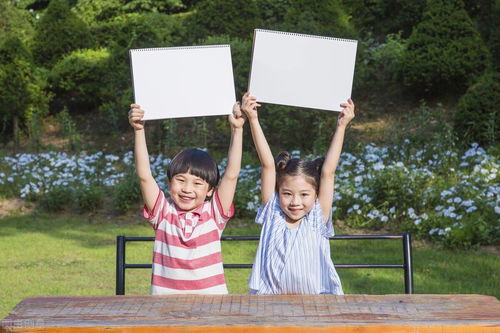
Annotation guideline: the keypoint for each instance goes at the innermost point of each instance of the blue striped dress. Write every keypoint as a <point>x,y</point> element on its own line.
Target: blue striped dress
<point>293,261</point>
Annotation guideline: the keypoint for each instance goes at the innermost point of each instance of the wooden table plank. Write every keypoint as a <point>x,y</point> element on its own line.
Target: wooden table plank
<point>239,313</point>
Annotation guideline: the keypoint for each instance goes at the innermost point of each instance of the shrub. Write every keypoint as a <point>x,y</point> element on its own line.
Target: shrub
<point>382,17</point>
<point>444,50</point>
<point>89,198</point>
<point>235,18</point>
<point>476,118</point>
<point>76,79</point>
<point>57,199</point>
<point>58,32</point>
<point>318,17</point>
<point>127,193</point>
<point>15,81</point>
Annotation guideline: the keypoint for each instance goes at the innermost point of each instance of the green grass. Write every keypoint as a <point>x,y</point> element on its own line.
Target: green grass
<point>42,255</point>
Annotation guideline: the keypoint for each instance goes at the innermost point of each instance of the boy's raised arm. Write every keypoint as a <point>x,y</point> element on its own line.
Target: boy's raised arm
<point>268,173</point>
<point>327,183</point>
<point>149,187</point>
<point>227,185</point>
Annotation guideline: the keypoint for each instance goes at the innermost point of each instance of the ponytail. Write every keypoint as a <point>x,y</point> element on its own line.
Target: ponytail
<point>281,161</point>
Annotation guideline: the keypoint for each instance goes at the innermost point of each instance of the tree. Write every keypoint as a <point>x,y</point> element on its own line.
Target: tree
<point>444,50</point>
<point>15,79</point>
<point>318,17</point>
<point>234,18</point>
<point>57,33</point>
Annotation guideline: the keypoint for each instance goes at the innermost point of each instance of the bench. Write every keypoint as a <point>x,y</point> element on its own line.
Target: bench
<point>407,265</point>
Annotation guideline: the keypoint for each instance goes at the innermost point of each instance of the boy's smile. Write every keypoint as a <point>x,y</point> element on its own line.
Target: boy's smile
<point>188,191</point>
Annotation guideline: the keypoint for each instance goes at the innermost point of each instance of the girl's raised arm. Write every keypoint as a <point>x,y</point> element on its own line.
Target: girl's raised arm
<point>149,187</point>
<point>327,183</point>
<point>268,172</point>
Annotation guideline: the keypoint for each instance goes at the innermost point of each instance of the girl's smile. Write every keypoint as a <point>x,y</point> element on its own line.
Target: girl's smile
<point>297,197</point>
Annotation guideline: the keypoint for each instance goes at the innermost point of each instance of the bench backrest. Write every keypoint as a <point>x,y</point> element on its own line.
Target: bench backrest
<point>407,265</point>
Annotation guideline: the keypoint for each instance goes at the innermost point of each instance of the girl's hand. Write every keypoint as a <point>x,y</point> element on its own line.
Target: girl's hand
<point>237,119</point>
<point>135,117</point>
<point>249,106</point>
<point>347,113</point>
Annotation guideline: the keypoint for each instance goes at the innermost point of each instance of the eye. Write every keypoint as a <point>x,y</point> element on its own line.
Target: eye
<point>199,184</point>
<point>305,194</point>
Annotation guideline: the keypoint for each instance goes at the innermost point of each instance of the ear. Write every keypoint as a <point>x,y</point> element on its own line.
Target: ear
<point>210,192</point>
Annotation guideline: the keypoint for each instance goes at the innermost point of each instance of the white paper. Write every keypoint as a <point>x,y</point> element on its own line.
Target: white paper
<point>302,70</point>
<point>183,81</point>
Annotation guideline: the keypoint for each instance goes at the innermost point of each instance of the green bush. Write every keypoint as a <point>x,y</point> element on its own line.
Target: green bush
<point>58,32</point>
<point>58,198</point>
<point>318,17</point>
<point>444,50</point>
<point>15,21</point>
<point>127,193</point>
<point>235,18</point>
<point>378,18</point>
<point>77,79</point>
<point>89,198</point>
<point>476,118</point>
<point>15,81</point>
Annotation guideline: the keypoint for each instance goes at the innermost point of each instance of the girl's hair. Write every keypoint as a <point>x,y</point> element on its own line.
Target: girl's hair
<point>288,166</point>
<point>196,162</point>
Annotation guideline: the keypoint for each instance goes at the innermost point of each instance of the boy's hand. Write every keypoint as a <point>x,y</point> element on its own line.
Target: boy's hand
<point>237,119</point>
<point>135,117</point>
<point>249,106</point>
<point>347,114</point>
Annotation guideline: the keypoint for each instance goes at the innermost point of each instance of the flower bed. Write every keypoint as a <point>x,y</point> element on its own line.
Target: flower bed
<point>449,196</point>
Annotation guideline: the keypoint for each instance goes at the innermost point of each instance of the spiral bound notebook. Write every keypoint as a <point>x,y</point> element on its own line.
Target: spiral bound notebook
<point>176,82</point>
<point>302,70</point>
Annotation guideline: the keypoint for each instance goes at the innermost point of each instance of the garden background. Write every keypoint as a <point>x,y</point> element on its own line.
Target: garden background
<point>421,156</point>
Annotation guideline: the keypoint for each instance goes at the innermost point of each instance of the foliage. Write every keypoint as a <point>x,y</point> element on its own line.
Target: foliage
<point>89,198</point>
<point>235,18</point>
<point>14,21</point>
<point>58,32</point>
<point>272,13</point>
<point>318,17</point>
<point>76,79</point>
<point>476,118</point>
<point>15,80</point>
<point>57,199</point>
<point>378,18</point>
<point>127,193</point>
<point>69,131</point>
<point>444,50</point>
<point>378,70</point>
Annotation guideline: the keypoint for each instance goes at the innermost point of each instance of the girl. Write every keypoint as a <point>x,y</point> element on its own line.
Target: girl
<point>293,256</point>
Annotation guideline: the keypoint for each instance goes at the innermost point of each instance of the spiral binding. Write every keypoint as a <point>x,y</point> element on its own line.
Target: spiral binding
<point>304,35</point>
<point>178,48</point>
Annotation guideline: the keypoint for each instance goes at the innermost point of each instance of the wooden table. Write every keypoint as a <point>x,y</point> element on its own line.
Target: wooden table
<point>244,313</point>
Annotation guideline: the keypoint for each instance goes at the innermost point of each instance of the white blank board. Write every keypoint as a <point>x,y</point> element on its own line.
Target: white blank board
<point>176,82</point>
<point>302,70</point>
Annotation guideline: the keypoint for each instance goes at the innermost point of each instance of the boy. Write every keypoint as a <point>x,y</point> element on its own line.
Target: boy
<point>187,251</point>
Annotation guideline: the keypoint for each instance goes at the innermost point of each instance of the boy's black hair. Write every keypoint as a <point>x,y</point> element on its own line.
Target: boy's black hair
<point>288,166</point>
<point>196,162</point>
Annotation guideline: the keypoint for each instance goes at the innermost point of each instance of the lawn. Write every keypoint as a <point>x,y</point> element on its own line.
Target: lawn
<point>45,255</point>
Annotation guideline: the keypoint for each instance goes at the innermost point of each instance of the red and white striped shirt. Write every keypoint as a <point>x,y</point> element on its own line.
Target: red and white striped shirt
<point>187,256</point>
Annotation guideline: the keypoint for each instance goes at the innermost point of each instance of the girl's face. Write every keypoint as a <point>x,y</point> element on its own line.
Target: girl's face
<point>297,197</point>
<point>188,191</point>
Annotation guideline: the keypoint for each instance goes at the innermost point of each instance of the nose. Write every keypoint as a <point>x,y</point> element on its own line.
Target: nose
<point>187,187</point>
<point>295,200</point>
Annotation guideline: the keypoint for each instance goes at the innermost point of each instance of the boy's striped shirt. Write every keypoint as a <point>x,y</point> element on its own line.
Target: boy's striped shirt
<point>187,255</point>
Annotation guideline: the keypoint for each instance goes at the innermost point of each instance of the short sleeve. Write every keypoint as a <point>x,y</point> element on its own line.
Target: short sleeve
<point>318,221</point>
<point>267,211</point>
<point>219,216</point>
<point>155,216</point>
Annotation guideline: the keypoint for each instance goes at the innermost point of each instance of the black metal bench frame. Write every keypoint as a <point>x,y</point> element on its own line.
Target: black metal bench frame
<point>407,265</point>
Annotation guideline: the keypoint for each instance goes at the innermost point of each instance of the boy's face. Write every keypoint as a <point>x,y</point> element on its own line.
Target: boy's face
<point>188,191</point>
<point>297,197</point>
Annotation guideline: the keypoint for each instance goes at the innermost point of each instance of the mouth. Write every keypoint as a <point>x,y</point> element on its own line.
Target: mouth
<point>185,199</point>
<point>295,211</point>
